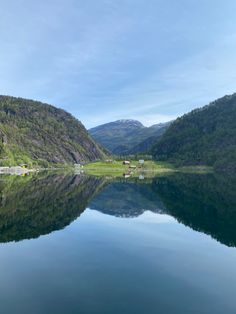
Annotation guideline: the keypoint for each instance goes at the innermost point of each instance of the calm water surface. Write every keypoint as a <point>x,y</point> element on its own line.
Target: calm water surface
<point>77,244</point>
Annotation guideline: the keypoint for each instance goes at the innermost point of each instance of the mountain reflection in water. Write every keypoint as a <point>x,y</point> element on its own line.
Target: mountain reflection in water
<point>38,205</point>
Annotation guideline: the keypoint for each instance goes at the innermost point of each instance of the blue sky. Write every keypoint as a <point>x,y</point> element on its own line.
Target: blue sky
<point>103,60</point>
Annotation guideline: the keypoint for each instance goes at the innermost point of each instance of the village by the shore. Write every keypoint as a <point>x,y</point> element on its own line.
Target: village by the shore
<point>16,170</point>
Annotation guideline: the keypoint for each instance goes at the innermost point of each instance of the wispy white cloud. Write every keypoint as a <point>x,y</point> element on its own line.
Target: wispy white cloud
<point>181,87</point>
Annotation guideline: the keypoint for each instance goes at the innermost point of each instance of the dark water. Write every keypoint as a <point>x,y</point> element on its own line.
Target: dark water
<point>77,244</point>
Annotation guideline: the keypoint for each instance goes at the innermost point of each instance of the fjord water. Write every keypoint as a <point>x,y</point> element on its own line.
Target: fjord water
<point>78,244</point>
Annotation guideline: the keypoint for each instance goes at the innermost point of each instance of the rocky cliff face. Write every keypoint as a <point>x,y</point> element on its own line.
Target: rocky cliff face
<point>31,131</point>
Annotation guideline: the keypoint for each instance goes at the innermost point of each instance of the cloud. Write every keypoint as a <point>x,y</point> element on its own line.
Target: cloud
<point>107,60</point>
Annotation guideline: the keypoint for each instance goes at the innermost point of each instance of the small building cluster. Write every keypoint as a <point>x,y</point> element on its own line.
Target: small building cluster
<point>132,167</point>
<point>126,162</point>
<point>109,161</point>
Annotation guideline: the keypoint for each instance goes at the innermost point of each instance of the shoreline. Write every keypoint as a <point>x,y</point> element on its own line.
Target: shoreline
<point>149,169</point>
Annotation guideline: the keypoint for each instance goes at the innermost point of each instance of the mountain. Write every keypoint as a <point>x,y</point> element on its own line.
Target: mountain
<point>150,135</point>
<point>203,136</point>
<point>116,134</point>
<point>123,137</point>
<point>34,132</point>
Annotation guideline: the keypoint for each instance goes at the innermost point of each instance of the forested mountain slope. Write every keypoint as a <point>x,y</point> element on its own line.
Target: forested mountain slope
<point>33,132</point>
<point>203,136</point>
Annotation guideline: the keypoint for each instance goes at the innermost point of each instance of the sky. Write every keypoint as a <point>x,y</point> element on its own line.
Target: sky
<point>103,60</point>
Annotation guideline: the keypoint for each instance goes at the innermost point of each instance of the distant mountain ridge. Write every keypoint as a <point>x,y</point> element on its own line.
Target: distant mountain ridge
<point>34,132</point>
<point>130,122</point>
<point>127,136</point>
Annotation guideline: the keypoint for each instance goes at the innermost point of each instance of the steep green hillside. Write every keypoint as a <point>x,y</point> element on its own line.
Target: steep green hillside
<point>204,136</point>
<point>124,137</point>
<point>33,132</point>
<point>148,137</point>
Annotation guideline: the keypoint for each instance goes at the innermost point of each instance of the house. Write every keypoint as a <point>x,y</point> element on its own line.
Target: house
<point>141,161</point>
<point>126,175</point>
<point>126,162</point>
<point>109,161</point>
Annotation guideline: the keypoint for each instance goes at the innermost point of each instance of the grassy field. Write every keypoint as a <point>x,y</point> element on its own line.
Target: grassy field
<point>117,169</point>
<point>148,169</point>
